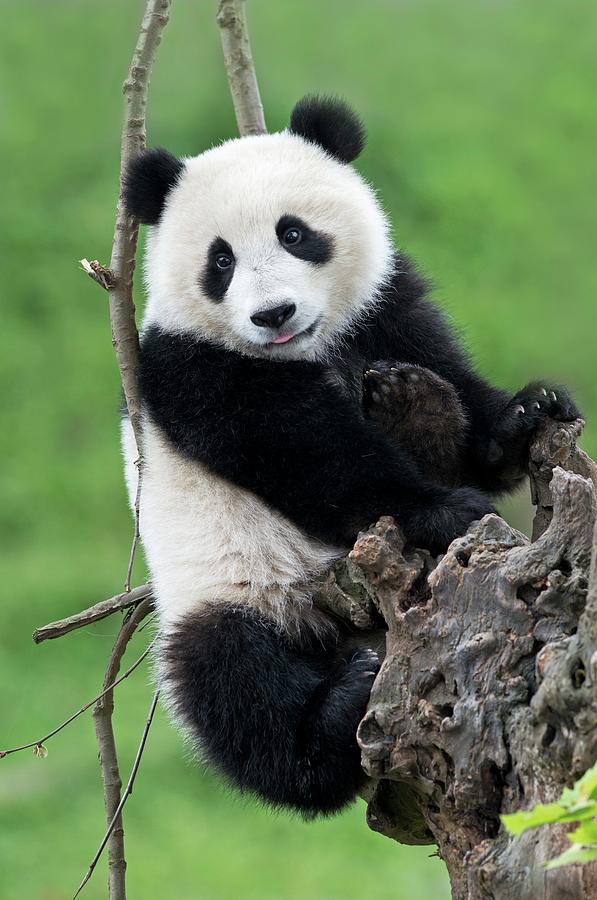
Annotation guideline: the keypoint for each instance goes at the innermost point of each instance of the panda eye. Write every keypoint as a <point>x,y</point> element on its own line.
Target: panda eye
<point>223,261</point>
<point>292,236</point>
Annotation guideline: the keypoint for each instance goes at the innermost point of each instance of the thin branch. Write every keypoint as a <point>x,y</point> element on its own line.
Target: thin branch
<point>38,745</point>
<point>101,610</point>
<point>234,35</point>
<point>125,337</point>
<point>117,817</point>
<point>108,759</point>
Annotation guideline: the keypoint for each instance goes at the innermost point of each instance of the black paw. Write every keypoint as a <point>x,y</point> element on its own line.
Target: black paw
<point>513,430</point>
<point>420,412</point>
<point>536,402</point>
<point>388,386</point>
<point>434,528</point>
<point>357,676</point>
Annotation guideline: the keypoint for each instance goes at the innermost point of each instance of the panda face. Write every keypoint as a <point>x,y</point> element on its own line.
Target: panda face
<point>267,245</point>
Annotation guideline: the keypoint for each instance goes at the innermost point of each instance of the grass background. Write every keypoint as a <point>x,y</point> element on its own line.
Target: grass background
<point>482,142</point>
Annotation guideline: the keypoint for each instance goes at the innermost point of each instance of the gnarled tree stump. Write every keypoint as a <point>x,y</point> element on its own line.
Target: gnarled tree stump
<point>486,702</point>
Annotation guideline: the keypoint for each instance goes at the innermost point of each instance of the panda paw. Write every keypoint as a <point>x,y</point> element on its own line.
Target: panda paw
<point>420,412</point>
<point>539,401</point>
<point>394,386</point>
<point>357,677</point>
<point>524,413</point>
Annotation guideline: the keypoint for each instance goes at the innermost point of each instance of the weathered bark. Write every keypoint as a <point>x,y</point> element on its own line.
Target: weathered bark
<point>486,702</point>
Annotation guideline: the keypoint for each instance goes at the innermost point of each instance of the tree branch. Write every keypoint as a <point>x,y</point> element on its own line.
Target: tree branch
<point>101,610</point>
<point>234,35</point>
<point>117,817</point>
<point>102,718</point>
<point>499,711</point>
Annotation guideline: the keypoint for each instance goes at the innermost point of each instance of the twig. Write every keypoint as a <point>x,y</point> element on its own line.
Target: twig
<point>104,732</point>
<point>100,274</point>
<point>39,744</point>
<point>101,610</point>
<point>110,831</point>
<point>234,35</point>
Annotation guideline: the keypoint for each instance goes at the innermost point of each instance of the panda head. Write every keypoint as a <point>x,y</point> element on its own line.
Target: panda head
<point>271,245</point>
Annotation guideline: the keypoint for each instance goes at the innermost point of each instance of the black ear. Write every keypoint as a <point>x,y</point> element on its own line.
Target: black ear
<point>331,123</point>
<point>147,181</point>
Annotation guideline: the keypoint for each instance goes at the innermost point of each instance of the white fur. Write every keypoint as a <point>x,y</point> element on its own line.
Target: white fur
<point>238,191</point>
<point>205,538</point>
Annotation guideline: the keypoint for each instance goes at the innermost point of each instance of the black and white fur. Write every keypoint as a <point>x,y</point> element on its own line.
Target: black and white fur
<point>263,459</point>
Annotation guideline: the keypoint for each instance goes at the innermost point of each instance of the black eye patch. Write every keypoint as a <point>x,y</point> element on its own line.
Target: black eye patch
<point>301,241</point>
<point>219,269</point>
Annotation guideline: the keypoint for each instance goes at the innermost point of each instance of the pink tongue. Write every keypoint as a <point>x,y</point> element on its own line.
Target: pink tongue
<point>283,339</point>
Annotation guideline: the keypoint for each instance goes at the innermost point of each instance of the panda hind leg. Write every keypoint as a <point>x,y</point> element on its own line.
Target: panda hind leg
<point>274,709</point>
<point>422,413</point>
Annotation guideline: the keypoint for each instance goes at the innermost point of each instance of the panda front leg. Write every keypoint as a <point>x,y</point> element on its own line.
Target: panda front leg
<point>503,426</point>
<point>274,707</point>
<point>422,413</point>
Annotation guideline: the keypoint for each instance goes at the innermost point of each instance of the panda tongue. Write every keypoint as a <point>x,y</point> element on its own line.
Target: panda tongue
<point>282,339</point>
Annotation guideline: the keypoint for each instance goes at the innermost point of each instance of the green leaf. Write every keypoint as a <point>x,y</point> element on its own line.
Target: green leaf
<point>542,814</point>
<point>579,813</point>
<point>587,785</point>
<point>576,854</point>
<point>585,833</point>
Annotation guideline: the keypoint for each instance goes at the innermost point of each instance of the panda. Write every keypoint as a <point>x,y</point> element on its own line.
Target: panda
<point>297,384</point>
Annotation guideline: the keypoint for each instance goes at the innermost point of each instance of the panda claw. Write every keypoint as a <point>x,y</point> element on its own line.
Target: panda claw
<point>544,392</point>
<point>519,410</point>
<point>553,396</point>
<point>536,405</point>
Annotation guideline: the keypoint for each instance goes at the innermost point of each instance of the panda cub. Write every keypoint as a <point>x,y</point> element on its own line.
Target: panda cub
<point>296,385</point>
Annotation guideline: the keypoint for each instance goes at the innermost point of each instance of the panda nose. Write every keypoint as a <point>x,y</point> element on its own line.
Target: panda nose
<point>274,317</point>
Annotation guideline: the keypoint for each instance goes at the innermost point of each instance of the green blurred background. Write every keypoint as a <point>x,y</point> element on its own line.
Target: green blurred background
<point>482,143</point>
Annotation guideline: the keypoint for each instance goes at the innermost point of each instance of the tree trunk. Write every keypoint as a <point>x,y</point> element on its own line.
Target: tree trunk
<point>486,701</point>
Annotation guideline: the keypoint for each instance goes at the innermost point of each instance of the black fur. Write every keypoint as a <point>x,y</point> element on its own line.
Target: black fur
<point>407,328</point>
<point>331,123</point>
<point>149,178</point>
<point>215,281</point>
<point>283,432</point>
<point>276,712</point>
<point>313,246</point>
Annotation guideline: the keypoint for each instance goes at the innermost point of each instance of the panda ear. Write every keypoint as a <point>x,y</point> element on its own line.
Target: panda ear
<point>149,178</point>
<point>331,123</point>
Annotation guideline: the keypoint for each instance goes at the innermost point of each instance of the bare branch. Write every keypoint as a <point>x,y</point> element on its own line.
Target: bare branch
<point>117,817</point>
<point>104,732</point>
<point>38,745</point>
<point>234,35</point>
<point>122,263</point>
<point>94,614</point>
